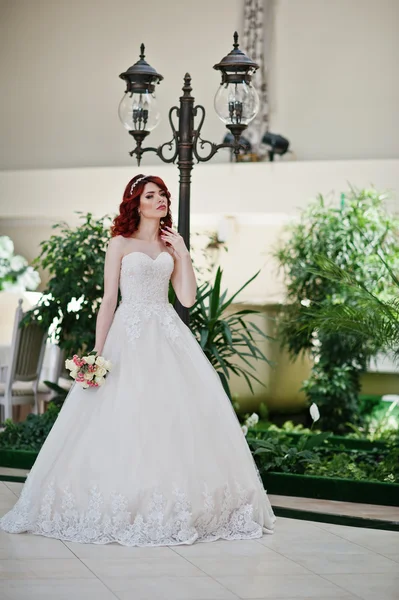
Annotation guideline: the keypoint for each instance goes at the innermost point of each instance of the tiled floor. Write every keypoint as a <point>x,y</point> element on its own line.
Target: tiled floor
<point>302,560</point>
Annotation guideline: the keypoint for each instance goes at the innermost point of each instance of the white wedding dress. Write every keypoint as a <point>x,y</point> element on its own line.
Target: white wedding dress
<point>156,456</point>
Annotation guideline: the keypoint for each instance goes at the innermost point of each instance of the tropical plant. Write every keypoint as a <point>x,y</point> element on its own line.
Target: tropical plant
<point>15,272</point>
<point>74,259</point>
<point>277,454</point>
<point>224,338</point>
<point>370,318</point>
<point>340,356</point>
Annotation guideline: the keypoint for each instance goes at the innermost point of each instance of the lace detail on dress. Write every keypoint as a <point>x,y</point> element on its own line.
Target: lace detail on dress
<point>135,316</point>
<point>144,284</point>
<point>105,522</point>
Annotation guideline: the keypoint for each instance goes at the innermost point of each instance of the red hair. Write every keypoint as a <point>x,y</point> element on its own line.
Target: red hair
<point>128,219</point>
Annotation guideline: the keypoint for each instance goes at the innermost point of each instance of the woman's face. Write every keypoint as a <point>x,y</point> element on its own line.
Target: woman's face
<point>153,201</point>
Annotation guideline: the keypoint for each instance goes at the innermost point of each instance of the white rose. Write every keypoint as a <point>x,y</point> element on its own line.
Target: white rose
<point>101,371</point>
<point>89,359</point>
<point>89,376</point>
<point>108,365</point>
<point>244,429</point>
<point>99,381</point>
<point>69,364</point>
<point>100,361</point>
<point>73,373</point>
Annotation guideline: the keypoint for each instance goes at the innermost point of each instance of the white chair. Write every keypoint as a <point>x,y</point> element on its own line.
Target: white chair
<point>20,382</point>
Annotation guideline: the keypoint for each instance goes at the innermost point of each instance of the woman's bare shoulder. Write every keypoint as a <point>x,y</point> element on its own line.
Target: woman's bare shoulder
<point>117,241</point>
<point>116,246</point>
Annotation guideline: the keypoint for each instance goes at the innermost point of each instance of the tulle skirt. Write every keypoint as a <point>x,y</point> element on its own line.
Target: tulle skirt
<point>156,456</point>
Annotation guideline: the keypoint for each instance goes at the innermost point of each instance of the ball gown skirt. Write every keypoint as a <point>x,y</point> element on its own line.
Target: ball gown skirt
<point>156,456</point>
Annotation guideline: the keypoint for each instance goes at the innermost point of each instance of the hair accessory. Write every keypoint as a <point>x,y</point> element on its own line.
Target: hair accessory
<point>136,182</point>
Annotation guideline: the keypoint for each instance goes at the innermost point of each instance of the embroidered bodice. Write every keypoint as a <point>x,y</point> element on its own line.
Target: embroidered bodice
<point>145,280</point>
<point>144,285</point>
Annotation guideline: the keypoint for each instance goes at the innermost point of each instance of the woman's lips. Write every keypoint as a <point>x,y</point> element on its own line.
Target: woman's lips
<point>161,207</point>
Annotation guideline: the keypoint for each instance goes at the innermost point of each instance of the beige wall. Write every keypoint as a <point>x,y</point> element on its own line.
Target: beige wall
<point>333,86</point>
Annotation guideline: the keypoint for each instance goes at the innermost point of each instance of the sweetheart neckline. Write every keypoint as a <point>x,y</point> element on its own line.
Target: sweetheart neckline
<point>145,254</point>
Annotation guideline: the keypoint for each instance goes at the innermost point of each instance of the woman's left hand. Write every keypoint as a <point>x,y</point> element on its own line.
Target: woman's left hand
<point>175,240</point>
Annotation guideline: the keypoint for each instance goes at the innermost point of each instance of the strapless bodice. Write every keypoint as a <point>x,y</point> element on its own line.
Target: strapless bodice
<point>145,280</point>
<point>144,285</point>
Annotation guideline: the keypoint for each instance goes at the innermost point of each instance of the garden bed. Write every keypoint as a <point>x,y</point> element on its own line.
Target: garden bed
<point>17,459</point>
<point>328,488</point>
<point>334,441</point>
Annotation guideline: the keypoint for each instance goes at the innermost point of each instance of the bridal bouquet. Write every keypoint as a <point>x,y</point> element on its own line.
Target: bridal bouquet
<point>90,370</point>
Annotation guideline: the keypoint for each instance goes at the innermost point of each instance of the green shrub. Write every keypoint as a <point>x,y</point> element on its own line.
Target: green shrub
<point>31,433</point>
<point>352,238</point>
<point>74,259</point>
<point>370,466</point>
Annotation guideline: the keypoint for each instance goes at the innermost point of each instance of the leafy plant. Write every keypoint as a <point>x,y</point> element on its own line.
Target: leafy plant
<point>274,452</point>
<point>223,338</point>
<point>336,388</point>
<point>75,260</point>
<point>278,454</point>
<point>337,234</point>
<point>31,433</point>
<point>289,427</point>
<point>370,466</point>
<point>370,318</point>
<point>379,425</point>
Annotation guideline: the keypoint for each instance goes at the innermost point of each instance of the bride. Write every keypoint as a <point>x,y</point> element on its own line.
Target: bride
<point>156,456</point>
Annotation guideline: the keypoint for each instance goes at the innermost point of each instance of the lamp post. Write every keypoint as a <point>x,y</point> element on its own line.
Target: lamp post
<point>236,103</point>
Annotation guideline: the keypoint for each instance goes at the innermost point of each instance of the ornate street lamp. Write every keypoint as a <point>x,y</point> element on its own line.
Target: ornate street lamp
<point>236,101</point>
<point>236,104</point>
<point>138,109</point>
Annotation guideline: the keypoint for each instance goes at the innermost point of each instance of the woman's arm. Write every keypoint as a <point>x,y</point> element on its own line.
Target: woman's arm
<point>110,297</point>
<point>183,276</point>
<point>184,281</point>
